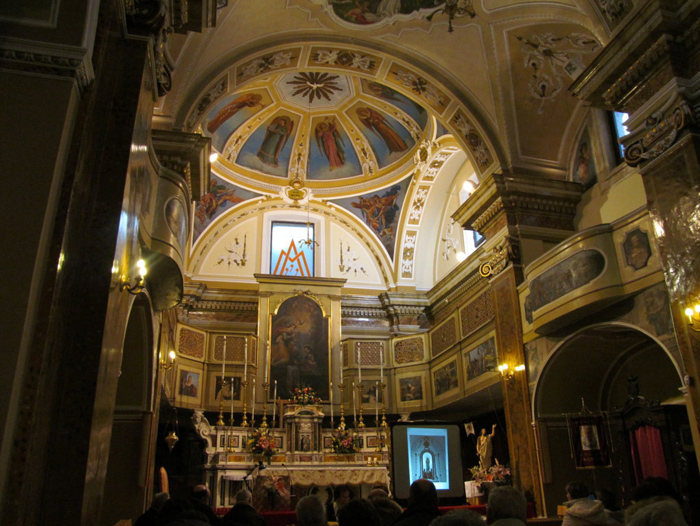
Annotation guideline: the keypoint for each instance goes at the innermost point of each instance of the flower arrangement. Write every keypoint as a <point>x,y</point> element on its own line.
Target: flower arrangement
<point>498,473</point>
<point>344,442</point>
<point>262,443</point>
<point>305,396</point>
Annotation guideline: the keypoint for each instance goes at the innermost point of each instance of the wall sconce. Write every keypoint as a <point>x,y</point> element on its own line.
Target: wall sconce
<point>139,285</point>
<point>167,363</point>
<point>693,317</point>
<point>508,373</point>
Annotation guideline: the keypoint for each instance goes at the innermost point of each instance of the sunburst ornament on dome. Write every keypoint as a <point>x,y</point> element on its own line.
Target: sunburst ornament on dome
<point>315,85</point>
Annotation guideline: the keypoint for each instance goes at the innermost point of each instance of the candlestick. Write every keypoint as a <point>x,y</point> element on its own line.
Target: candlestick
<point>376,403</point>
<point>341,426</point>
<point>359,363</point>
<point>266,391</point>
<point>223,362</point>
<point>361,422</point>
<point>341,360</point>
<point>244,391</point>
<point>330,396</point>
<point>267,363</point>
<point>231,391</point>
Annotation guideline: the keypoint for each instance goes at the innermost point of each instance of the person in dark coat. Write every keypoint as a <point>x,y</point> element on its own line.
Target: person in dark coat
<point>243,513</point>
<point>422,505</point>
<point>150,516</point>
<point>200,502</point>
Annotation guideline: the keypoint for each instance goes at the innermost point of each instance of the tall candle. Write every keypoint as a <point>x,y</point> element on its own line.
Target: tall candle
<point>359,363</point>
<point>267,364</point>
<point>354,410</point>
<point>341,364</point>
<point>245,359</point>
<point>376,404</point>
<point>381,362</point>
<point>274,405</point>
<point>231,398</point>
<point>331,400</point>
<point>223,364</point>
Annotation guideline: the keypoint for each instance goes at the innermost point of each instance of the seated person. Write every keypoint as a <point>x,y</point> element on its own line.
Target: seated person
<point>243,513</point>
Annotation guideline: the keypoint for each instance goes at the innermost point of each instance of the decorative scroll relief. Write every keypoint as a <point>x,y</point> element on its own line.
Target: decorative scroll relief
<point>418,205</point>
<point>345,58</point>
<point>234,253</point>
<point>498,259</point>
<point>409,351</point>
<point>662,133</point>
<point>433,168</point>
<point>210,97</point>
<point>287,58</point>
<point>408,254</point>
<point>191,343</point>
<point>443,337</point>
<point>551,57</point>
<point>348,261</point>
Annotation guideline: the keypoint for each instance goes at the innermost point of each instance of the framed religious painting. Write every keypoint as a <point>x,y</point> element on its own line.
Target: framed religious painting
<point>189,385</point>
<point>445,379</point>
<point>299,347</point>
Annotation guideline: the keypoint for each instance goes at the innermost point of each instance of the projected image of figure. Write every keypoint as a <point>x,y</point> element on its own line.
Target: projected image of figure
<point>427,454</point>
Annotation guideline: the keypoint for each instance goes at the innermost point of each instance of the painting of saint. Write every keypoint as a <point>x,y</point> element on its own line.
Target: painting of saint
<point>299,347</point>
<point>481,359</point>
<point>411,389</point>
<point>397,99</point>
<point>189,384</point>
<point>445,378</point>
<point>278,131</point>
<point>330,142</point>
<point>226,392</point>
<point>220,197</point>
<point>381,126</point>
<point>248,100</point>
<point>584,169</point>
<point>637,249</point>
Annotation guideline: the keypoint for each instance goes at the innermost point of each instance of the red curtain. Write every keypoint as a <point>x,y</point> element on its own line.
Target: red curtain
<point>647,453</point>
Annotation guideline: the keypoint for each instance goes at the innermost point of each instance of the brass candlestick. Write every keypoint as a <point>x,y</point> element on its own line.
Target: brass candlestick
<point>220,421</point>
<point>263,424</point>
<point>384,424</point>
<point>244,383</point>
<point>341,426</point>
<point>361,422</point>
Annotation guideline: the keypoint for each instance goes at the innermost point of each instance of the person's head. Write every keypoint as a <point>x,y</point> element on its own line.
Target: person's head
<point>377,493</point>
<point>389,510</point>
<point>653,511</point>
<point>458,518</point>
<point>422,492</point>
<point>310,512</point>
<point>343,495</point>
<point>159,499</point>
<point>359,511</point>
<point>608,499</point>
<point>506,502</point>
<point>483,432</point>
<point>576,490</point>
<point>243,496</point>
<point>201,493</point>
<point>656,487</point>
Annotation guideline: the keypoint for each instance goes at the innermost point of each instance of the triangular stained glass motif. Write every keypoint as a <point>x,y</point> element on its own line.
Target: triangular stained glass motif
<point>292,263</point>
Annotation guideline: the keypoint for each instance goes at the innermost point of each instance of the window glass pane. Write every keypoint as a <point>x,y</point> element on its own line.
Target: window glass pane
<point>620,130</point>
<point>290,252</point>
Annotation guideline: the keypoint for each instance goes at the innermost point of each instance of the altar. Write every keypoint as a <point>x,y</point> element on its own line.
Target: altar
<point>304,460</point>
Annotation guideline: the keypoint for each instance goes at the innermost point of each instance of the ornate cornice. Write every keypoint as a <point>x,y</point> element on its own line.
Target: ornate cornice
<point>488,215</point>
<point>48,59</point>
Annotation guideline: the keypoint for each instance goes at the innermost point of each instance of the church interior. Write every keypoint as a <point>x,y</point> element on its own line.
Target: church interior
<point>262,237</point>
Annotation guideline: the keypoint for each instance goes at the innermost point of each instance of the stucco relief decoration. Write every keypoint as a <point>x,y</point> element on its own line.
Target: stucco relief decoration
<point>443,337</point>
<point>234,348</point>
<point>191,343</point>
<point>418,204</point>
<point>572,273</point>
<point>408,254</point>
<point>267,63</point>
<point>427,91</point>
<point>348,261</point>
<point>211,96</point>
<point>615,10</point>
<point>662,133</point>
<point>346,59</point>
<point>409,351</point>
<point>450,241</point>
<point>477,313</point>
<point>551,58</point>
<point>234,253</point>
<point>433,168</point>
<point>472,137</point>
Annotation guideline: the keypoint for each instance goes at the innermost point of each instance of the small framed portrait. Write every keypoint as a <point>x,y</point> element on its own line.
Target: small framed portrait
<point>372,441</point>
<point>327,442</point>
<point>189,385</point>
<point>279,442</point>
<point>234,441</point>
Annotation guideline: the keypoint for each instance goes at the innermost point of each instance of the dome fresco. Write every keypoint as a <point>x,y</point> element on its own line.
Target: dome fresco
<point>328,126</point>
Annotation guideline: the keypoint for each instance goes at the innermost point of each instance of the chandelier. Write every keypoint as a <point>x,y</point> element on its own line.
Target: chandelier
<point>454,8</point>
